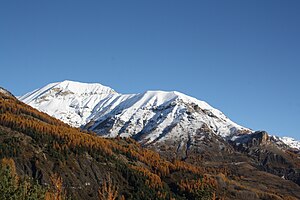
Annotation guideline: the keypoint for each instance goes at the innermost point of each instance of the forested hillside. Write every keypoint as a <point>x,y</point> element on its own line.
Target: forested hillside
<point>43,158</point>
<point>88,166</point>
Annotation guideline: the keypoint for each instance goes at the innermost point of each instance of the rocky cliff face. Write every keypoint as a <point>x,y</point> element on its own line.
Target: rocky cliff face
<point>270,155</point>
<point>255,139</point>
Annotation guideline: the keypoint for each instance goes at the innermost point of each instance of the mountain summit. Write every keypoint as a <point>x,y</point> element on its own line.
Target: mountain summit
<point>69,101</point>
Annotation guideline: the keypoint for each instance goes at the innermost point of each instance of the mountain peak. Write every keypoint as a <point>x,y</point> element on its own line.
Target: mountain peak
<point>69,101</point>
<point>80,88</point>
<point>67,87</point>
<point>166,96</point>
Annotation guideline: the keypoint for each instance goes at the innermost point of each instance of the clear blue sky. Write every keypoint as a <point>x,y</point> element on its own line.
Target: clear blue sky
<point>242,57</point>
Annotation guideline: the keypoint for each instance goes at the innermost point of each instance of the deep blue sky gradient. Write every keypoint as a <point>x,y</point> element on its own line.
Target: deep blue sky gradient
<point>242,57</point>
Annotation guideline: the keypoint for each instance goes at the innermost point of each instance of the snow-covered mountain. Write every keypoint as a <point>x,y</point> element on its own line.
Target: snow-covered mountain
<point>69,101</point>
<point>291,142</point>
<point>149,117</point>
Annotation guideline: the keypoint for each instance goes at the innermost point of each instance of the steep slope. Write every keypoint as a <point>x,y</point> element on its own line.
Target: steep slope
<point>151,116</point>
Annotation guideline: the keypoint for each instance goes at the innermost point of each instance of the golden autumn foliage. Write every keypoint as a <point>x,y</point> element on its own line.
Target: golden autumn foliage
<point>108,190</point>
<point>26,119</point>
<point>9,162</point>
<point>179,165</point>
<point>11,105</point>
<point>153,180</point>
<point>196,185</point>
<point>56,191</point>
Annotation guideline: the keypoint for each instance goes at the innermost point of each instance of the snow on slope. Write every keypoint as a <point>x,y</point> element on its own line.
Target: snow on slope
<point>69,101</point>
<point>149,117</point>
<point>154,113</point>
<point>291,142</point>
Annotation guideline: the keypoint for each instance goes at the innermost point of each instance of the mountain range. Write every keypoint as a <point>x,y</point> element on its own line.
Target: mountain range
<point>149,117</point>
<point>153,145</point>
